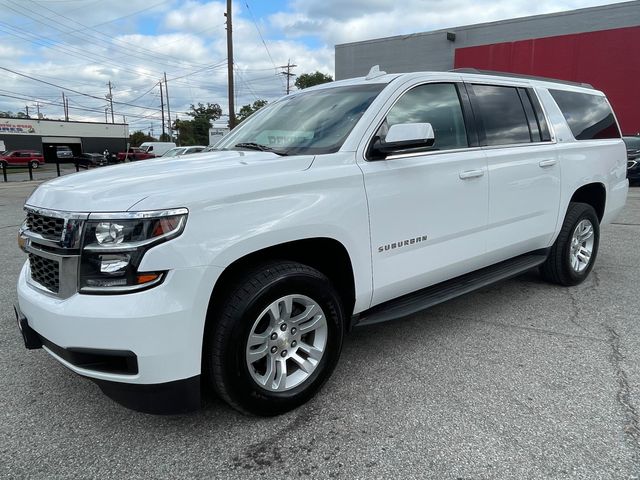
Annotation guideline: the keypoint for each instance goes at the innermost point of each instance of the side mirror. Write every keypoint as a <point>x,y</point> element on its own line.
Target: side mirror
<point>405,136</point>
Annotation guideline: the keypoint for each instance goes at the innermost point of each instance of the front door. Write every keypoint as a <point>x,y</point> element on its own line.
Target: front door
<point>428,210</point>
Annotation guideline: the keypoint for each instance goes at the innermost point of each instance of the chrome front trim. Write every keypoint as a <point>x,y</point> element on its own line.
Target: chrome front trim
<point>138,215</point>
<point>57,213</point>
<point>126,289</point>
<point>68,266</point>
<point>125,247</point>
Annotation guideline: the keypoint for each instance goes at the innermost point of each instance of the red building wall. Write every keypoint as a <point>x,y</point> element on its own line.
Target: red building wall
<point>607,59</point>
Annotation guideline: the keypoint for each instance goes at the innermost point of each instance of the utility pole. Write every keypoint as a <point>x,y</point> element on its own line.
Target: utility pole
<point>166,91</point>
<point>161,106</point>
<point>232,108</point>
<point>288,74</point>
<point>110,97</point>
<point>65,107</point>
<point>105,115</point>
<point>38,109</point>
<point>26,107</point>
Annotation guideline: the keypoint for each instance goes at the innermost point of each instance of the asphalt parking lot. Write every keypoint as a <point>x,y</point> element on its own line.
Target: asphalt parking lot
<point>518,380</point>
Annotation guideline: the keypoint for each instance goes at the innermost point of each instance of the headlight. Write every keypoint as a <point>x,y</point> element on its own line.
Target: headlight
<point>114,244</point>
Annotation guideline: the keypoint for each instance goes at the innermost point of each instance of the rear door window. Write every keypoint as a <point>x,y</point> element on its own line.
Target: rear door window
<point>502,113</point>
<point>589,116</point>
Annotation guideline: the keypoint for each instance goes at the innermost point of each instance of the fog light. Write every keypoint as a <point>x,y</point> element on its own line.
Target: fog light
<point>114,264</point>
<point>109,233</point>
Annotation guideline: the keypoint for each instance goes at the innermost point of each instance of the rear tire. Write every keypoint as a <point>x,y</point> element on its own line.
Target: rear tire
<point>34,164</point>
<point>574,252</point>
<point>274,339</point>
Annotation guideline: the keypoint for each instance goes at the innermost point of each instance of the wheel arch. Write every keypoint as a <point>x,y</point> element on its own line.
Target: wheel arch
<point>594,194</point>
<point>325,254</point>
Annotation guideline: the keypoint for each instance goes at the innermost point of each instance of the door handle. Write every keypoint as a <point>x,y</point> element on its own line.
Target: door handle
<point>547,163</point>
<point>471,174</point>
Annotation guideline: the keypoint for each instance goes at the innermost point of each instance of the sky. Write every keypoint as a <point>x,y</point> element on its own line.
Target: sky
<point>82,45</point>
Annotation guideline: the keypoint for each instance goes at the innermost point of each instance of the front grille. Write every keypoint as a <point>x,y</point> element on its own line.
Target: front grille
<point>45,272</point>
<point>48,227</point>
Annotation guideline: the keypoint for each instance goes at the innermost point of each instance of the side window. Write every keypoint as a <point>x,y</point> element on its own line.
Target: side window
<point>589,116</point>
<point>502,114</point>
<point>434,103</point>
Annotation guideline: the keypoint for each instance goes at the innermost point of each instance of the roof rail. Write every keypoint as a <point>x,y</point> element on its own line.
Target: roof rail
<point>519,75</point>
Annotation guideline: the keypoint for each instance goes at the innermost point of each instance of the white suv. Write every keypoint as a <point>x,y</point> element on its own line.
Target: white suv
<point>347,204</point>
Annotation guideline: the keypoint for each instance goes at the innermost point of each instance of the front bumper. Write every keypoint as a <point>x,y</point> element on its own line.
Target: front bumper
<point>162,328</point>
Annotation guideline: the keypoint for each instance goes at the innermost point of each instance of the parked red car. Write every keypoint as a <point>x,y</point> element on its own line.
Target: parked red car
<point>22,158</point>
<point>134,154</point>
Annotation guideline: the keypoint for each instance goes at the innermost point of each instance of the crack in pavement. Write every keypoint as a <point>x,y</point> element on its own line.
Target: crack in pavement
<point>623,394</point>
<point>575,310</point>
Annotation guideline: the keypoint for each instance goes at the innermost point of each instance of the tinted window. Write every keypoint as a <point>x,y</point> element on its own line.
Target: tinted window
<point>589,116</point>
<point>434,103</point>
<point>502,115</point>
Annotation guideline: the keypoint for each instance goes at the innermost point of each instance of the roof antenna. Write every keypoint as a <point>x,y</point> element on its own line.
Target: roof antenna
<point>375,72</point>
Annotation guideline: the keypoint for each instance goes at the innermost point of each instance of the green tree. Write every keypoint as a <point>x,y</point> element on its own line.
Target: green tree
<point>9,114</point>
<point>249,109</point>
<point>196,131</point>
<point>137,138</point>
<point>165,137</point>
<point>307,80</point>
<point>210,111</point>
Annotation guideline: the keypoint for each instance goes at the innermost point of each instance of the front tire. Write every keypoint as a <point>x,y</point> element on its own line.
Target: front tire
<point>34,164</point>
<point>275,338</point>
<point>574,252</point>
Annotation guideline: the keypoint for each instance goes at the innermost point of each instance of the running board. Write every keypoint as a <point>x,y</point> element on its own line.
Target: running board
<point>441,292</point>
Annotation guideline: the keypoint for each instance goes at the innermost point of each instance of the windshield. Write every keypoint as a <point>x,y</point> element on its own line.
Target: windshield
<point>312,123</point>
<point>173,152</point>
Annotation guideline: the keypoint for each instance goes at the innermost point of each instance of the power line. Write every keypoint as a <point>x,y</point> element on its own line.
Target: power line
<point>260,35</point>
<point>68,89</point>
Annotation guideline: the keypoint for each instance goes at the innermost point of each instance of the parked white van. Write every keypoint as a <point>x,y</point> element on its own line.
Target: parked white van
<point>157,148</point>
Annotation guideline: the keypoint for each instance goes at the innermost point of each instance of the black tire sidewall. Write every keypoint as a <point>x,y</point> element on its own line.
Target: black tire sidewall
<point>587,213</point>
<point>238,381</point>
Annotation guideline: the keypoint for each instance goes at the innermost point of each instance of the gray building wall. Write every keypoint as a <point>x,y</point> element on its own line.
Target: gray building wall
<point>432,50</point>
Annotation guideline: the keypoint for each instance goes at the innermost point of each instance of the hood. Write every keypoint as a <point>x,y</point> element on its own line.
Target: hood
<point>121,187</point>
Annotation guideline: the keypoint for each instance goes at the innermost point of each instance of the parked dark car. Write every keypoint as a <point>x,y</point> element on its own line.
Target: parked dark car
<point>90,160</point>
<point>633,158</point>
<point>63,152</point>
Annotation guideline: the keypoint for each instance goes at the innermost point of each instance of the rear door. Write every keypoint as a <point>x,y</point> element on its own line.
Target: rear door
<point>523,169</point>
<point>428,208</point>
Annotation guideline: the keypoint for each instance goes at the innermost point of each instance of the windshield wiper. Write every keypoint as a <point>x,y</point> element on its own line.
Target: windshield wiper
<point>258,146</point>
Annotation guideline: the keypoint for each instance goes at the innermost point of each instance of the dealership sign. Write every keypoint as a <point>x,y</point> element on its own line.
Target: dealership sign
<point>22,127</point>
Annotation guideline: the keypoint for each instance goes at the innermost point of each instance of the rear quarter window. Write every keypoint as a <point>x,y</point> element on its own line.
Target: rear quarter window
<point>589,116</point>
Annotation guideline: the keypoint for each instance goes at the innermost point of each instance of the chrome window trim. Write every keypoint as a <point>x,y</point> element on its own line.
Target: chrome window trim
<point>425,153</point>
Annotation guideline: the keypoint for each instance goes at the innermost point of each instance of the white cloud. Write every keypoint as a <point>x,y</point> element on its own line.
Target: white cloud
<point>84,45</point>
